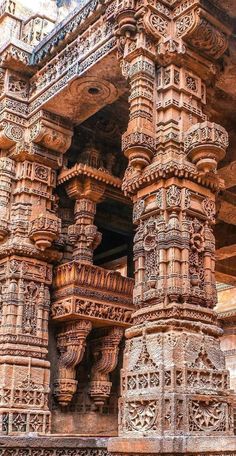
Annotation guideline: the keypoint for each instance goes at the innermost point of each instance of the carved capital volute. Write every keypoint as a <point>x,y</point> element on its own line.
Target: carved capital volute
<point>44,130</point>
<point>71,342</point>
<point>10,134</point>
<point>198,28</point>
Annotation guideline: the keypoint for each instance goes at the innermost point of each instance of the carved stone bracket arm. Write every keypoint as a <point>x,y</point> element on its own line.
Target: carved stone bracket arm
<point>105,351</point>
<point>71,342</point>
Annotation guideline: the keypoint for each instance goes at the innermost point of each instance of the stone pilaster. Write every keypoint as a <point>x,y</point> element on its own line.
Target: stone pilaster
<point>175,388</point>
<point>29,225</point>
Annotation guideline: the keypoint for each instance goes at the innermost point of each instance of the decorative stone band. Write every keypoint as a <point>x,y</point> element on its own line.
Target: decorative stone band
<point>69,29</point>
<point>92,276</point>
<point>26,451</point>
<point>92,310</point>
<point>133,180</point>
<point>53,446</point>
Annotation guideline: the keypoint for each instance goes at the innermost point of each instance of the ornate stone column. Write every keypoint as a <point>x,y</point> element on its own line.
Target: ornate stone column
<point>30,156</point>
<point>175,394</point>
<point>84,235</point>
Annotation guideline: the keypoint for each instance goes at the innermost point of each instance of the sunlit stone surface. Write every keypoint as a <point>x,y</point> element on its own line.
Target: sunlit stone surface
<point>117,217</point>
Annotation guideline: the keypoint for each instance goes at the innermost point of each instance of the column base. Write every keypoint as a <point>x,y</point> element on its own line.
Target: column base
<point>171,445</point>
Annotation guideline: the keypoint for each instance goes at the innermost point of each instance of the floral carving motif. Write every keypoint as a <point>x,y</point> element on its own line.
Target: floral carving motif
<point>209,208</point>
<point>159,24</point>
<point>173,196</point>
<point>141,415</point>
<point>138,209</point>
<point>184,24</point>
<point>41,172</point>
<point>207,416</point>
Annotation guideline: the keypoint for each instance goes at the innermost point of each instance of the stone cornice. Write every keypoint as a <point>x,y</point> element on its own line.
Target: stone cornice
<point>85,170</point>
<point>229,316</point>
<point>68,29</point>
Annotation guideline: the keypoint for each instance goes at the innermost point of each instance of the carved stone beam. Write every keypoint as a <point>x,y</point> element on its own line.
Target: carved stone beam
<point>226,271</point>
<point>228,174</point>
<point>227,208</point>
<point>71,343</point>
<point>105,352</point>
<point>225,241</point>
<point>227,251</point>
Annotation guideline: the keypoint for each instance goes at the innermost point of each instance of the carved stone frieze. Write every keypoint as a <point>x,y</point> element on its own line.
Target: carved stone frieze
<point>10,451</point>
<point>151,66</point>
<point>95,293</point>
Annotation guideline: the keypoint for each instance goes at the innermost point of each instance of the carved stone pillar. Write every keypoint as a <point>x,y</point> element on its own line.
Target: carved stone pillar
<point>175,389</point>
<point>28,227</point>
<point>84,234</point>
<point>105,351</point>
<point>87,192</point>
<point>139,67</point>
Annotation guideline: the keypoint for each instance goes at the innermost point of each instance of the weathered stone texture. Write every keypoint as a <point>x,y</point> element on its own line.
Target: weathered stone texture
<point>125,106</point>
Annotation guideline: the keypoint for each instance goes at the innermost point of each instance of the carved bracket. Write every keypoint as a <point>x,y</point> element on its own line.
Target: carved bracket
<point>71,343</point>
<point>105,351</point>
<point>10,134</point>
<point>50,133</point>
